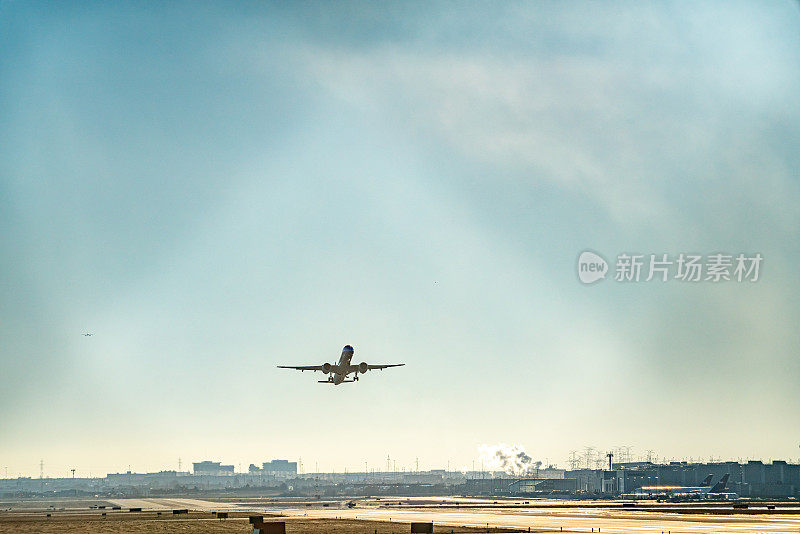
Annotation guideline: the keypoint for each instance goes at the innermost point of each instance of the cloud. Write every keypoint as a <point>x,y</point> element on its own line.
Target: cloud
<point>657,107</point>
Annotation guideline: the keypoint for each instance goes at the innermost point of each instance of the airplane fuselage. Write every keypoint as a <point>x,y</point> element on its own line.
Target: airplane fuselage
<point>340,371</point>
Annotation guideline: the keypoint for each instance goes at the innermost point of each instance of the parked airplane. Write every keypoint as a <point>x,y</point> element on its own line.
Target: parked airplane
<point>715,493</point>
<point>337,373</point>
<point>704,491</point>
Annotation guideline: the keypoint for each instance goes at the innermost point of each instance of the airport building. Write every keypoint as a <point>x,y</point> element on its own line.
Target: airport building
<point>280,468</point>
<point>160,480</point>
<point>539,486</point>
<point>753,479</point>
<point>274,469</point>
<point>778,479</point>
<point>212,468</point>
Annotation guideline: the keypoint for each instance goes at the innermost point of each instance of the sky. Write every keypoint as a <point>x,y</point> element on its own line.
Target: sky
<point>215,189</point>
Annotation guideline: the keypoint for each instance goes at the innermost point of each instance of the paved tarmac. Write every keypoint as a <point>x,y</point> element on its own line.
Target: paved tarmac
<point>574,519</point>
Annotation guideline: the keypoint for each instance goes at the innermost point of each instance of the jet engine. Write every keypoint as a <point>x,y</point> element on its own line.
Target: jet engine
<point>363,367</point>
<point>326,368</point>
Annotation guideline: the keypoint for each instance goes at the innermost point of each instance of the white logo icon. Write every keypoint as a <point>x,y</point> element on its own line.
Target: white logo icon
<point>591,267</point>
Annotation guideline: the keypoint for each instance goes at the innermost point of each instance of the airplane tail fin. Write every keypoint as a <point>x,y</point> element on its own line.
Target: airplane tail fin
<point>720,486</point>
<point>707,481</point>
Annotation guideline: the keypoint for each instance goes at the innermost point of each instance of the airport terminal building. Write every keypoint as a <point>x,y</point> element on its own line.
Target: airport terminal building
<point>753,479</point>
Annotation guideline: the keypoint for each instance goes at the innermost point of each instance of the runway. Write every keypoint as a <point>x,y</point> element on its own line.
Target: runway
<point>611,521</point>
<point>159,504</point>
<point>594,516</point>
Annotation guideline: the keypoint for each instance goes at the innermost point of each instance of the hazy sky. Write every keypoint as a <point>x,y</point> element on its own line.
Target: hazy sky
<point>214,189</point>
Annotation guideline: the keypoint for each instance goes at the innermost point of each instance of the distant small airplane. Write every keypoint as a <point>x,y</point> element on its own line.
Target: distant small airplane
<point>337,373</point>
<point>87,334</point>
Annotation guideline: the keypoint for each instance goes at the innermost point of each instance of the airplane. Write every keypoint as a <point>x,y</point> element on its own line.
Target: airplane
<point>337,373</point>
<point>720,486</point>
<point>704,491</point>
<point>714,493</point>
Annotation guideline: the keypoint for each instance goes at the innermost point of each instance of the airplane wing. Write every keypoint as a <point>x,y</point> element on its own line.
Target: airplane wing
<point>371,367</point>
<point>302,367</point>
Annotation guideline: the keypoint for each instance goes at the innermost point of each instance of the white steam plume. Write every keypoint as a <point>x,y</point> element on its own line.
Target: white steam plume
<point>511,459</point>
